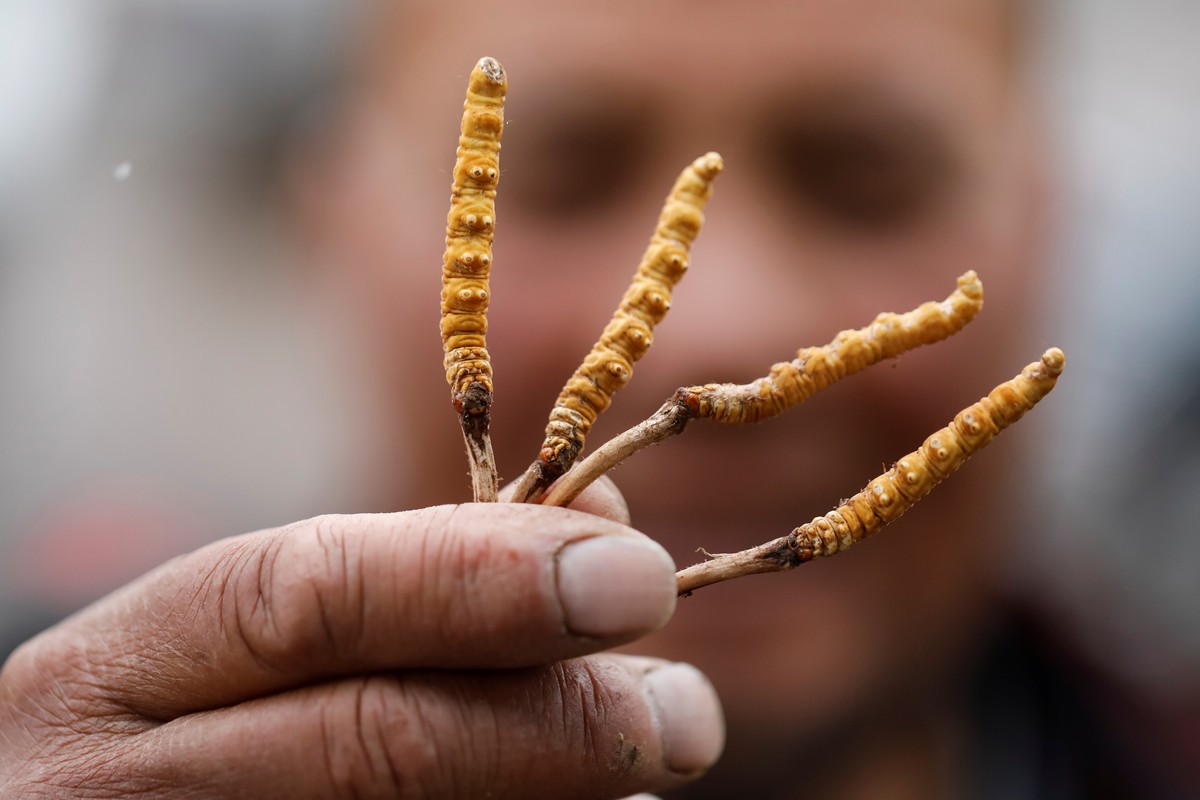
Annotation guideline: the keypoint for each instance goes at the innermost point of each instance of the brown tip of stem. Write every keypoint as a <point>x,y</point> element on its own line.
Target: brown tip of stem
<point>774,556</point>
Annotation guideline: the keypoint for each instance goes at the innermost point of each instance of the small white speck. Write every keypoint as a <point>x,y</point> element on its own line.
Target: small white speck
<point>122,171</point>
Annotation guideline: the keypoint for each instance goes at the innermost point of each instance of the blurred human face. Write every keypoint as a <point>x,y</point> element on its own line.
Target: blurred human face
<point>874,150</point>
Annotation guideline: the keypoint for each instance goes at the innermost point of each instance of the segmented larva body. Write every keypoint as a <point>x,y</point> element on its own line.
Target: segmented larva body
<point>790,383</point>
<point>915,475</point>
<point>469,229</point>
<point>628,336</point>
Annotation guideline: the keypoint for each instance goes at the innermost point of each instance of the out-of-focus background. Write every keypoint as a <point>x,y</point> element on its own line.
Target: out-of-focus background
<point>162,369</point>
<point>168,374</point>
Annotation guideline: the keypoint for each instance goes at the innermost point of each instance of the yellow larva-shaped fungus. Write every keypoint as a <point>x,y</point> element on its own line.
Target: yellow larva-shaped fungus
<point>609,365</point>
<point>816,368</point>
<point>469,229</point>
<point>915,475</point>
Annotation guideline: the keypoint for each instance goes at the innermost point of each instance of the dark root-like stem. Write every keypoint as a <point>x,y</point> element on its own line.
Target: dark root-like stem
<point>668,421</point>
<point>474,408</point>
<point>777,555</point>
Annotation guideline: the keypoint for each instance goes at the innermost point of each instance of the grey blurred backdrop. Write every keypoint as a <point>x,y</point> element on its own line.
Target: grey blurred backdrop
<point>164,371</point>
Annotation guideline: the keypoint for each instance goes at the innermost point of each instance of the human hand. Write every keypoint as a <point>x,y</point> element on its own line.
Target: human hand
<point>443,652</point>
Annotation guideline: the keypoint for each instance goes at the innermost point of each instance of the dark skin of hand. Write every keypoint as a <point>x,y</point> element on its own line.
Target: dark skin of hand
<point>449,652</point>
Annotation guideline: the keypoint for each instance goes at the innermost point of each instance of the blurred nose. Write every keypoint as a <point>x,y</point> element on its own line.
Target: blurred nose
<point>743,304</point>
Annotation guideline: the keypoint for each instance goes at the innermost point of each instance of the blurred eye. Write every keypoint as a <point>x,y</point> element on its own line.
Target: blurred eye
<point>570,159</point>
<point>857,161</point>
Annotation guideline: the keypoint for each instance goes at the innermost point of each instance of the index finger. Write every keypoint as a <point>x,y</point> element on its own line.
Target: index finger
<point>478,585</point>
<point>601,497</point>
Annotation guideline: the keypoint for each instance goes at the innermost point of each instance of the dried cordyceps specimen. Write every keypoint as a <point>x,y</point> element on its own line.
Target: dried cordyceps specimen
<point>609,365</point>
<point>897,490</point>
<point>466,265</point>
<point>788,383</point>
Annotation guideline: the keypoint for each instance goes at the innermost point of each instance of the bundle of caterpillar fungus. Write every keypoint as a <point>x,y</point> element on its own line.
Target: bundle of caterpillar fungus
<point>609,364</point>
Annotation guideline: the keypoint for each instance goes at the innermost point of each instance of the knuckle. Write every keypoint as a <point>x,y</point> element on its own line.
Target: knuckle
<point>587,706</point>
<point>471,572</point>
<point>377,740</point>
<point>51,683</point>
<point>46,663</point>
<point>328,594</point>
<point>448,565</point>
<point>571,727</point>
<point>242,585</point>
<point>24,667</point>
<point>298,590</point>
<point>64,739</point>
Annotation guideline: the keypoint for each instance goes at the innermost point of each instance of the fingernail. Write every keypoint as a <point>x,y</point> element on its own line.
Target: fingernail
<point>615,586</point>
<point>688,715</point>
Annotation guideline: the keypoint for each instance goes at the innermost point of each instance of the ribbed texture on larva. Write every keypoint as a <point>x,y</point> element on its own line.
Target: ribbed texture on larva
<point>470,226</point>
<point>790,383</point>
<point>609,365</point>
<point>915,475</point>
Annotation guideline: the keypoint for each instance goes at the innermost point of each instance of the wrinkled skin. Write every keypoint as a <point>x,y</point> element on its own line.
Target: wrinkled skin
<point>432,653</point>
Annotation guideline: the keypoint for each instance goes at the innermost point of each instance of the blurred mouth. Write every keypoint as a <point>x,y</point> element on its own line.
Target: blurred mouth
<point>729,488</point>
